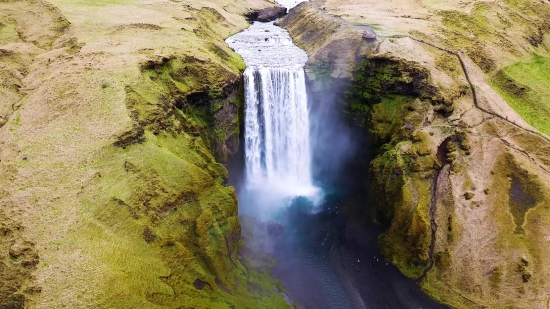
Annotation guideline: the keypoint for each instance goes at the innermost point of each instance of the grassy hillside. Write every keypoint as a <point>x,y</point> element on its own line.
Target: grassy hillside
<point>525,86</point>
<point>112,195</point>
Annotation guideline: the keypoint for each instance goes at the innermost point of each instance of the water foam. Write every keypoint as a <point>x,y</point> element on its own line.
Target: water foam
<point>289,3</point>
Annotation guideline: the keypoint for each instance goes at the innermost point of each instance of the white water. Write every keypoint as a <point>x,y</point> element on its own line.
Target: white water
<point>289,3</point>
<point>277,147</point>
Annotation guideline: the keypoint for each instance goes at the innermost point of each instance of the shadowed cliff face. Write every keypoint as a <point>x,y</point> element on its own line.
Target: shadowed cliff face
<point>457,177</point>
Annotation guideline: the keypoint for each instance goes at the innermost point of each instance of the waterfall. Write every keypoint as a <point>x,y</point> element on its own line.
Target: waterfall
<point>289,3</point>
<point>277,126</point>
<point>277,148</point>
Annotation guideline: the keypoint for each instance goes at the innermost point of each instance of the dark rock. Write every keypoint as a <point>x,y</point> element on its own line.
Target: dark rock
<point>199,284</point>
<point>369,36</point>
<point>33,290</point>
<point>198,99</point>
<point>133,136</point>
<point>271,14</point>
<point>15,301</point>
<point>524,261</point>
<point>148,235</point>
<point>397,171</point>
<point>266,15</point>
<point>409,126</point>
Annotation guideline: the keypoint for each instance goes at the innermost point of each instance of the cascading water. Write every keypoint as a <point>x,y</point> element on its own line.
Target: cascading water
<point>277,134</point>
<point>289,3</point>
<point>277,148</point>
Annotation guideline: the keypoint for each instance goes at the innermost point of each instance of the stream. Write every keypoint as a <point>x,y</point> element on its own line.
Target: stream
<point>323,261</point>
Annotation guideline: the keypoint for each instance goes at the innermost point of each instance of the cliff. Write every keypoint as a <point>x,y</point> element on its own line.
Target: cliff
<point>460,172</point>
<point>114,116</point>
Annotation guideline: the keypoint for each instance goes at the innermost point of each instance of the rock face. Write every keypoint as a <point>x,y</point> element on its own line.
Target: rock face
<point>459,178</point>
<point>326,39</point>
<point>111,134</point>
<point>266,15</point>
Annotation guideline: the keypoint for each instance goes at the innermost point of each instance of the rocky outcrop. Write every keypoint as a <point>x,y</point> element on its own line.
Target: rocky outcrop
<point>266,15</point>
<point>328,40</point>
<point>458,178</point>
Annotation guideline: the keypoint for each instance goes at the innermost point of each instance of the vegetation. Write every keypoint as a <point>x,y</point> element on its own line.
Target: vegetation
<point>164,206</point>
<point>123,202</point>
<point>167,224</point>
<point>524,85</point>
<point>492,207</point>
<point>383,98</point>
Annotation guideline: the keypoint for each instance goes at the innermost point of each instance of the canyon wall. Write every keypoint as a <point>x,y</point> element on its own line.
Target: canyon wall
<point>459,178</point>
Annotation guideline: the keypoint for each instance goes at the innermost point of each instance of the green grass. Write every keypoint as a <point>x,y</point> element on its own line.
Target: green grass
<point>167,185</point>
<point>387,116</point>
<point>526,88</point>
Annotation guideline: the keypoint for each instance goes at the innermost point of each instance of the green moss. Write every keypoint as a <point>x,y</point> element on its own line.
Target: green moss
<point>401,187</point>
<point>422,143</point>
<point>166,223</point>
<point>17,120</point>
<point>199,92</point>
<point>280,287</point>
<point>372,80</point>
<point>404,201</point>
<point>394,84</point>
<point>400,182</point>
<point>524,86</point>
<point>442,259</point>
<point>474,23</point>
<point>386,117</point>
<point>449,64</point>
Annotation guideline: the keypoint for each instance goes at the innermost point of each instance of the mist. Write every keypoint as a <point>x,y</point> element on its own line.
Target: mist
<point>332,142</point>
